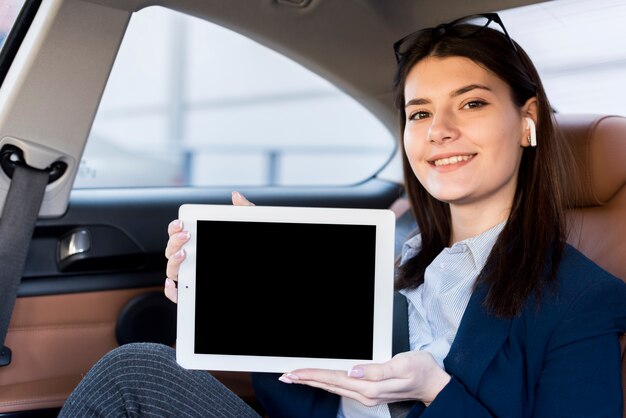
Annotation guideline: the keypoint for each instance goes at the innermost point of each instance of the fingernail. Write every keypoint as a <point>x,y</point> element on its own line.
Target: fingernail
<point>183,235</point>
<point>237,195</point>
<point>169,283</point>
<point>285,379</point>
<point>179,254</point>
<point>288,378</point>
<point>176,224</point>
<point>357,372</point>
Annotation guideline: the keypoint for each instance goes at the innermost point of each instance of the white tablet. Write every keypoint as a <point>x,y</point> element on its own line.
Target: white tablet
<point>273,289</point>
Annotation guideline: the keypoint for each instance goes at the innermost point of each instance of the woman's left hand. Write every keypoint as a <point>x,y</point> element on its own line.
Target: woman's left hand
<point>413,375</point>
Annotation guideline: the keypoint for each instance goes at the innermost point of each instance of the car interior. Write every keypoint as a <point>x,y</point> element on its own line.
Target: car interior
<point>94,271</point>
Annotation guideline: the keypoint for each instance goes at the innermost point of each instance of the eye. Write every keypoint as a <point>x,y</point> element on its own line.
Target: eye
<point>474,104</point>
<point>420,114</point>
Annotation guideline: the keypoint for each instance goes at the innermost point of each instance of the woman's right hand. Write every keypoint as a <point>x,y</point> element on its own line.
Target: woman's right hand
<point>175,253</point>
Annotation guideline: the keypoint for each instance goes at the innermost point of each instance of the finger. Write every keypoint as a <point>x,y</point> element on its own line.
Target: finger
<point>372,372</point>
<point>376,383</point>
<point>239,200</point>
<point>173,264</point>
<point>397,368</point>
<point>336,389</point>
<point>170,290</point>
<point>175,226</point>
<point>325,378</point>
<point>175,243</point>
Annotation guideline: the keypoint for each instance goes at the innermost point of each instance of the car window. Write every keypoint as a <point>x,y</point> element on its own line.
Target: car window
<point>9,10</point>
<point>192,103</point>
<point>579,50</point>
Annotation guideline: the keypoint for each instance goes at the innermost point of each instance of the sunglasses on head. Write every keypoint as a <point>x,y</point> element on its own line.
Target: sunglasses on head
<point>480,21</point>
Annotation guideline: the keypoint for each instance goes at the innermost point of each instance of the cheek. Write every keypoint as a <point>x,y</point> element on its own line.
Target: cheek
<point>414,143</point>
<point>507,156</point>
<point>409,144</point>
<point>415,148</point>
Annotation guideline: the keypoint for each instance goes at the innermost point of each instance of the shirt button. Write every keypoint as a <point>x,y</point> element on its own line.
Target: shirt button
<point>442,266</point>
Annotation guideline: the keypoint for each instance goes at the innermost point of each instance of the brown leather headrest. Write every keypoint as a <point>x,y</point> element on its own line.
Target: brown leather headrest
<point>598,220</point>
<point>599,143</point>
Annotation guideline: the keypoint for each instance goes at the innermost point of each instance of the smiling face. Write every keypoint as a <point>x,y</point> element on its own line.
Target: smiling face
<point>464,134</point>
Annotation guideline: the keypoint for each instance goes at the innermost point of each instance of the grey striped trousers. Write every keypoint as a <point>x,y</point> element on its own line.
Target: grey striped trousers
<point>144,380</point>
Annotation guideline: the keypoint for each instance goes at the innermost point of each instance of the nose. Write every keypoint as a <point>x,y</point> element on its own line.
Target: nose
<point>441,129</point>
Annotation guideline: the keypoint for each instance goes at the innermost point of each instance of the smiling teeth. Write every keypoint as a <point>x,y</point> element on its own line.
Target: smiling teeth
<point>452,160</point>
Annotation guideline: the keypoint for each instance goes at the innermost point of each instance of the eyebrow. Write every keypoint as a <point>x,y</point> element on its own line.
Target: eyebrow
<point>455,93</point>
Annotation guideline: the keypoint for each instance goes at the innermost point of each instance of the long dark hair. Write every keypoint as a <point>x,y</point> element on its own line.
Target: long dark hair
<point>535,231</point>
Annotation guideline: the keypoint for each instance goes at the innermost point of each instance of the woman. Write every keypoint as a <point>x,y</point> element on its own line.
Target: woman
<point>505,319</point>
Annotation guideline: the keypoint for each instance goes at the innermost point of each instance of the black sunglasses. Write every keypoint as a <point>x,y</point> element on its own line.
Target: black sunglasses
<point>480,21</point>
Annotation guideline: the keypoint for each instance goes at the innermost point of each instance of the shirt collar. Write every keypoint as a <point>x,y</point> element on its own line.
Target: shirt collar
<point>479,246</point>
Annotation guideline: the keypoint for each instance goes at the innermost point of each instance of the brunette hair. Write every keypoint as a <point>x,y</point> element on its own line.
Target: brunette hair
<point>528,250</point>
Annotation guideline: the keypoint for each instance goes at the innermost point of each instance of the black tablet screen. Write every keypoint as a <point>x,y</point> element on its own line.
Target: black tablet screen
<point>285,289</point>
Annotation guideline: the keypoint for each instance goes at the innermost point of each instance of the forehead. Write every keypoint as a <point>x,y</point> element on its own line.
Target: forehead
<point>442,75</point>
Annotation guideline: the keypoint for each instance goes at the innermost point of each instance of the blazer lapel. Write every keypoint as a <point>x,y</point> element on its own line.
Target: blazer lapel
<point>478,339</point>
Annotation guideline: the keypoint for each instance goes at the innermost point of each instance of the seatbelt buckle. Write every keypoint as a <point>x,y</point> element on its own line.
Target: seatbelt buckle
<point>5,356</point>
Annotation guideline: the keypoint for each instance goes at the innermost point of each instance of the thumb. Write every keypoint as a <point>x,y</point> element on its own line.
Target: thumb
<point>374,372</point>
<point>239,200</point>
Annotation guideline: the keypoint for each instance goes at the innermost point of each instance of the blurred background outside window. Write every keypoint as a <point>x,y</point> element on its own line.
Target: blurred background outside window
<point>192,103</point>
<point>9,10</point>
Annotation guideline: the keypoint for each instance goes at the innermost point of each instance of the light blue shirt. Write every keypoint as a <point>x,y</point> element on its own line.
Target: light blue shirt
<point>436,307</point>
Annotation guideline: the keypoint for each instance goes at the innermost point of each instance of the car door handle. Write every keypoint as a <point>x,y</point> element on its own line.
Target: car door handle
<point>98,248</point>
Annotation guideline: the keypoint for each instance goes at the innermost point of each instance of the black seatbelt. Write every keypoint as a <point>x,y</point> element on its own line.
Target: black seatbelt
<point>405,227</point>
<point>400,345</point>
<point>21,208</point>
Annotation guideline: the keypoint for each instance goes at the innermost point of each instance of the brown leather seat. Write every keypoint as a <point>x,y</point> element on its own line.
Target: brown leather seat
<point>599,218</point>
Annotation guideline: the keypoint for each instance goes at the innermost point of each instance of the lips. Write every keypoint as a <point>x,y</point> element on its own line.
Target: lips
<point>453,159</point>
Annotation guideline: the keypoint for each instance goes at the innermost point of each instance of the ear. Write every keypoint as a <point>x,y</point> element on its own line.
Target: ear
<point>529,110</point>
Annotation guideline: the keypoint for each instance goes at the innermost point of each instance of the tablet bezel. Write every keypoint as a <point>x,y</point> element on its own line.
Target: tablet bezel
<point>383,219</point>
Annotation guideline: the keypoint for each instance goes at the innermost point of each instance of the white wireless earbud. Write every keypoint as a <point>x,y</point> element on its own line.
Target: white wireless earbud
<point>532,135</point>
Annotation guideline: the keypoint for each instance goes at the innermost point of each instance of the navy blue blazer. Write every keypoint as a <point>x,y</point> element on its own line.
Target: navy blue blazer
<point>558,359</point>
